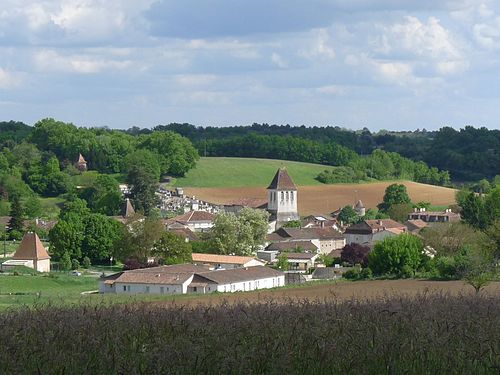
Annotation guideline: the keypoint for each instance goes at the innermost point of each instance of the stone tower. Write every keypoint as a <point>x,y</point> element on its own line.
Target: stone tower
<point>81,164</point>
<point>360,209</point>
<point>282,198</point>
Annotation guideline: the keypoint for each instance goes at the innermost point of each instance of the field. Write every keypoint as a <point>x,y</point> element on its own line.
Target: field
<point>324,199</point>
<point>242,172</point>
<point>427,333</point>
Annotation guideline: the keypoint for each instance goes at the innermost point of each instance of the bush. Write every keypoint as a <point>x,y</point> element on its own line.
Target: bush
<point>75,264</point>
<point>366,273</point>
<point>353,274</point>
<point>86,263</point>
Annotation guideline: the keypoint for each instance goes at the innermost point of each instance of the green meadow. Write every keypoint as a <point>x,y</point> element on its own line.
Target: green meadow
<point>244,172</point>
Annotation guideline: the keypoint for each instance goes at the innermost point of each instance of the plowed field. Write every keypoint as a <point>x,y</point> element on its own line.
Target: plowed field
<point>323,199</point>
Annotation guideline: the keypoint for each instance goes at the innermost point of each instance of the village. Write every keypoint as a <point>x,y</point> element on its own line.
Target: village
<point>295,250</point>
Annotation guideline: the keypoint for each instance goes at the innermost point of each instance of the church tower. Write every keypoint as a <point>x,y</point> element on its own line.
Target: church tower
<point>282,198</point>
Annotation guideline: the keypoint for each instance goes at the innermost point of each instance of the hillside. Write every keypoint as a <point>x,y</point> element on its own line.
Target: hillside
<point>213,172</point>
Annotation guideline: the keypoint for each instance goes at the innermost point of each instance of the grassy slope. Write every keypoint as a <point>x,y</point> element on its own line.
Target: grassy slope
<point>239,172</point>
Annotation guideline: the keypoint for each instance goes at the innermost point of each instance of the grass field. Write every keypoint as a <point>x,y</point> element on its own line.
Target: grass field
<point>239,172</point>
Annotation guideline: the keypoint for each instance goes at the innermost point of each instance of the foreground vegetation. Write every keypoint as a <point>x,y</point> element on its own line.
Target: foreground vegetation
<point>423,334</point>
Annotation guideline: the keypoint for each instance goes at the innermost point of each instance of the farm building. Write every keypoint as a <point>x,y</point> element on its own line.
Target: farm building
<point>216,261</point>
<point>369,231</point>
<point>301,262</point>
<point>187,278</point>
<point>30,253</point>
<point>446,216</point>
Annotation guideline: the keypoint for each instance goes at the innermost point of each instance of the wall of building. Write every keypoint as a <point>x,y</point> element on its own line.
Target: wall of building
<point>271,282</point>
<point>357,238</point>
<point>138,288</point>
<point>42,265</point>
<point>327,246</point>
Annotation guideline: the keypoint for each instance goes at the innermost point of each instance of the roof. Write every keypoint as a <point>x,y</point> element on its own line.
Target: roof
<point>175,268</point>
<point>173,275</point>
<point>127,208</point>
<point>192,216</point>
<point>186,233</point>
<point>359,204</point>
<point>81,159</point>
<point>248,202</point>
<point>372,226</point>
<point>237,275</point>
<point>415,224</point>
<point>292,256</point>
<point>282,181</point>
<point>320,233</point>
<point>292,245</point>
<point>216,258</point>
<point>31,248</point>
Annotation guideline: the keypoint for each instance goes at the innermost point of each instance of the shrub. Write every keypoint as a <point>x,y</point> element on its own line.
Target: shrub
<point>86,263</point>
<point>353,274</point>
<point>366,273</point>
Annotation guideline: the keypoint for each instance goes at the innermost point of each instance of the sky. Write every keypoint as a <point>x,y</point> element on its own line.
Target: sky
<point>384,64</point>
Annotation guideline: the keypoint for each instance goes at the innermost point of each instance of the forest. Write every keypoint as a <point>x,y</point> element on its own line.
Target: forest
<point>469,154</point>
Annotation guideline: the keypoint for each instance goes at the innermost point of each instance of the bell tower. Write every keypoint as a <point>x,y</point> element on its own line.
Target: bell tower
<point>282,198</point>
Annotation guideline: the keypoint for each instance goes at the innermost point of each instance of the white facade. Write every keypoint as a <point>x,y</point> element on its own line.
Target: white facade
<point>244,286</point>
<point>283,203</point>
<point>144,288</point>
<point>42,265</point>
<point>327,246</point>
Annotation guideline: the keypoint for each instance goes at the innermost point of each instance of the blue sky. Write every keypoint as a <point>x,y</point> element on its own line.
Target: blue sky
<point>386,64</point>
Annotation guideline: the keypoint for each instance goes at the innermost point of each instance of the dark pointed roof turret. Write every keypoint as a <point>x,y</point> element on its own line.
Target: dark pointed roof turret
<point>282,181</point>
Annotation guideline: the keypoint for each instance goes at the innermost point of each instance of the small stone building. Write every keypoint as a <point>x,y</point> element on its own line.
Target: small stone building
<point>81,164</point>
<point>30,253</point>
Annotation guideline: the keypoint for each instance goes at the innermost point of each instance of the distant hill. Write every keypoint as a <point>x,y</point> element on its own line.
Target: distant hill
<point>242,172</point>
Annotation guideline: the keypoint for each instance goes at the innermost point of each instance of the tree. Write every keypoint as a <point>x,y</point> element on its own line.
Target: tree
<point>16,223</point>
<point>104,196</point>
<point>137,238</point>
<point>292,224</point>
<point>355,253</point>
<point>32,207</point>
<point>241,234</point>
<point>144,185</point>
<point>75,264</point>
<point>99,237</point>
<point>394,194</point>
<point>66,237</point>
<point>348,215</point>
<point>172,249</point>
<point>399,212</point>
<point>86,262</point>
<point>400,255</point>
<point>283,263</point>
<point>65,263</point>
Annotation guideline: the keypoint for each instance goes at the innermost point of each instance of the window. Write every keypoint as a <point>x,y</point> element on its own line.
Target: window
<point>146,289</point>
<point>287,196</point>
<point>282,196</point>
<point>128,288</point>
<point>291,196</point>
<point>124,288</point>
<point>195,289</point>
<point>162,289</point>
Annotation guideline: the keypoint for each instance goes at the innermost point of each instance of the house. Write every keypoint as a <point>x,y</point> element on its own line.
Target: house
<point>81,163</point>
<point>236,205</point>
<point>415,225</point>
<point>370,231</point>
<point>446,216</point>
<point>185,233</point>
<point>238,280</point>
<point>326,239</point>
<point>313,221</point>
<point>301,262</point>
<point>30,253</point>
<point>196,221</point>
<point>282,198</point>
<point>154,280</point>
<point>189,278</point>
<point>294,246</point>
<point>216,261</point>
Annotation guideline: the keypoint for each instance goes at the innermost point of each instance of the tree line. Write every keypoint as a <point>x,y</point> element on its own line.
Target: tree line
<point>469,154</point>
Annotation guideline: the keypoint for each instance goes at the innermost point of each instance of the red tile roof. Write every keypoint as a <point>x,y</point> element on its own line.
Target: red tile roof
<point>192,216</point>
<point>31,248</point>
<point>282,181</point>
<point>216,258</point>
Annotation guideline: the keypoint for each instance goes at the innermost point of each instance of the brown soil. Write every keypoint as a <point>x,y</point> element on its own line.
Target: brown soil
<point>323,199</point>
<point>343,290</point>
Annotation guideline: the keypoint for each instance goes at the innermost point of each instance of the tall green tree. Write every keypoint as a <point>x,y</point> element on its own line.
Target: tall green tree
<point>394,194</point>
<point>172,249</point>
<point>348,215</point>
<point>399,255</point>
<point>99,238</point>
<point>16,222</point>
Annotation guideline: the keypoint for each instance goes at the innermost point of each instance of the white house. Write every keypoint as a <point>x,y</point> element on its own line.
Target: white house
<point>325,239</point>
<point>238,280</point>
<point>30,253</point>
<point>188,278</point>
<point>216,261</point>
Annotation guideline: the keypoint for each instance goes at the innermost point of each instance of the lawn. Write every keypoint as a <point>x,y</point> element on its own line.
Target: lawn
<point>51,206</point>
<point>239,172</point>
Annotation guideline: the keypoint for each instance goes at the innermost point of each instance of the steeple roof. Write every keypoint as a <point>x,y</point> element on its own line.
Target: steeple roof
<point>81,159</point>
<point>128,209</point>
<point>31,248</point>
<point>282,181</point>
<point>359,204</point>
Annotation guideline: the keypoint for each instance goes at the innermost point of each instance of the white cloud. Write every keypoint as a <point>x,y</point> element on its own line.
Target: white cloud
<point>278,60</point>
<point>488,34</point>
<point>51,61</point>
<point>319,46</point>
<point>9,79</point>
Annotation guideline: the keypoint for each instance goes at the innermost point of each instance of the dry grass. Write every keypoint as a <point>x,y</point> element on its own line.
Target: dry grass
<point>323,199</point>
